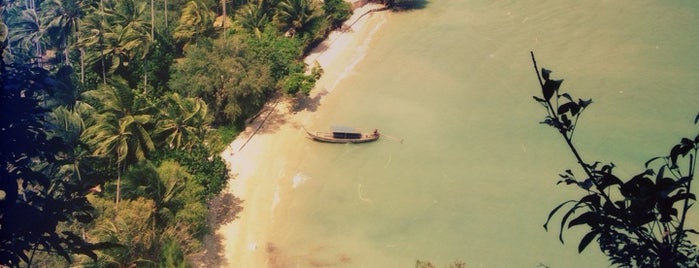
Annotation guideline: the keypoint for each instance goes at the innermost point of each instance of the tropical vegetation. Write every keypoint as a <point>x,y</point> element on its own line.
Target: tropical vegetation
<point>113,113</point>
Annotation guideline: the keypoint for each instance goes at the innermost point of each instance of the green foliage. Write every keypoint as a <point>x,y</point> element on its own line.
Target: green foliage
<point>120,125</point>
<point>169,206</point>
<point>118,130</point>
<point>114,38</point>
<point>182,122</point>
<point>280,53</point>
<point>298,84</point>
<point>639,222</point>
<point>296,16</point>
<point>208,170</point>
<point>129,228</point>
<point>129,111</point>
<point>253,18</point>
<point>196,22</point>
<point>337,11</point>
<point>225,77</point>
<point>156,67</point>
<point>33,198</point>
<point>171,255</point>
<point>221,138</point>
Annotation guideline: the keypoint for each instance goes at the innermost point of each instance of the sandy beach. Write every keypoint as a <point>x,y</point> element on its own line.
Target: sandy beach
<point>248,241</point>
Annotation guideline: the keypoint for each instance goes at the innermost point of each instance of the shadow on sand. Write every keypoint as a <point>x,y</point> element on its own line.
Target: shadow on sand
<point>310,104</point>
<point>223,209</point>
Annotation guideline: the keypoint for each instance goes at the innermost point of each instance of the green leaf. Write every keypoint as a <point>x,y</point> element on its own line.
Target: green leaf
<point>586,240</point>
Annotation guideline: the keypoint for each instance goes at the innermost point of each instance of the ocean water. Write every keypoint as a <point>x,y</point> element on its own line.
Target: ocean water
<point>464,170</point>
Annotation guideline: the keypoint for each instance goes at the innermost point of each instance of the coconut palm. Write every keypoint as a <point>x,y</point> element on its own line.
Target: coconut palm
<point>119,128</point>
<point>27,34</point>
<point>68,125</point>
<point>162,185</point>
<point>182,122</point>
<point>116,36</point>
<point>128,14</point>
<point>253,18</point>
<point>62,20</point>
<point>296,15</point>
<point>195,21</point>
<point>130,36</point>
<point>92,38</point>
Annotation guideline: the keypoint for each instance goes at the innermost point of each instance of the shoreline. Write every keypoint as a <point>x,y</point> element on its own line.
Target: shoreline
<point>248,241</point>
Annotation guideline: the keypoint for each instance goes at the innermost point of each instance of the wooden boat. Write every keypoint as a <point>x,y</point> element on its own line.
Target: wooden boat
<point>344,135</point>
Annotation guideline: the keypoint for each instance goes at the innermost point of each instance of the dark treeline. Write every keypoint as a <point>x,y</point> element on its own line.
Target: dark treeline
<point>114,112</point>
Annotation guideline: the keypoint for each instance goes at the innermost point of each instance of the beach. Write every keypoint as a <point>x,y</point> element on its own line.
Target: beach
<point>463,169</point>
<point>249,241</point>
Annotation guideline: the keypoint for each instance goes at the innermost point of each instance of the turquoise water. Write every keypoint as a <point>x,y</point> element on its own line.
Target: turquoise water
<point>474,176</point>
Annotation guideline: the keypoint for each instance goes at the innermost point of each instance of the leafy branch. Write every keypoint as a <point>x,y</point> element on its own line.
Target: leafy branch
<point>639,222</point>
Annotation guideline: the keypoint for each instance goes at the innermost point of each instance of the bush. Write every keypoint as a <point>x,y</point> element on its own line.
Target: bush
<point>298,83</point>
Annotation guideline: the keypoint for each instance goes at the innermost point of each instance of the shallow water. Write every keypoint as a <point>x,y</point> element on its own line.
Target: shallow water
<point>465,172</point>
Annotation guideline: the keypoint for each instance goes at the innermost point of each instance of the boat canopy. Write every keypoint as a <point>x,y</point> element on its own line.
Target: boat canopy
<point>342,132</point>
<point>344,129</point>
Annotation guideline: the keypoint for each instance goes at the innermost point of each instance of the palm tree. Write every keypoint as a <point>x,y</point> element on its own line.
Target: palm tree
<point>296,15</point>
<point>119,128</point>
<point>28,34</point>
<point>68,125</point>
<point>253,18</point>
<point>62,19</point>
<point>128,14</point>
<point>161,185</point>
<point>94,28</point>
<point>195,21</point>
<point>182,122</point>
<point>116,36</point>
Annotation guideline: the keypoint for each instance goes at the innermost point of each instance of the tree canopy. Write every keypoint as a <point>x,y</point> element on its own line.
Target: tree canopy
<point>111,111</point>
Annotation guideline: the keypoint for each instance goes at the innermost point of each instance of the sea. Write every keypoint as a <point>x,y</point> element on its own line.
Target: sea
<point>464,170</point>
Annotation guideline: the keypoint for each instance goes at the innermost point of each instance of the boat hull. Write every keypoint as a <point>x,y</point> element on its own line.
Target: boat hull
<point>329,137</point>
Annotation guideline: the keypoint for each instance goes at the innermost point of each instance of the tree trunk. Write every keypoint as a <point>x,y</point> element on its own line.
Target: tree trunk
<point>223,21</point>
<point>166,26</point>
<point>145,76</point>
<point>104,71</point>
<point>82,65</point>
<point>118,191</point>
<point>152,18</point>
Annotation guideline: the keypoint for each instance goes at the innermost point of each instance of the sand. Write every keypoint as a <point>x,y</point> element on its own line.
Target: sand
<point>248,241</point>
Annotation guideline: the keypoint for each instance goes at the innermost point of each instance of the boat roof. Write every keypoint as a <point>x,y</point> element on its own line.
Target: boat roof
<point>343,129</point>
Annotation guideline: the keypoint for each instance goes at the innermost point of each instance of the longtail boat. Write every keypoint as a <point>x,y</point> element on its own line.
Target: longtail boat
<point>341,134</point>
